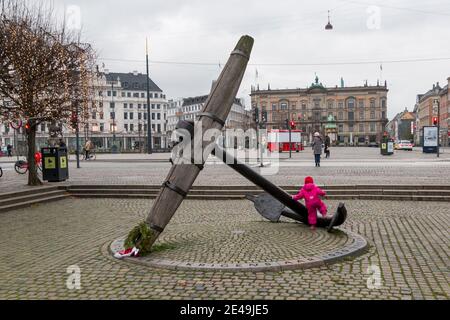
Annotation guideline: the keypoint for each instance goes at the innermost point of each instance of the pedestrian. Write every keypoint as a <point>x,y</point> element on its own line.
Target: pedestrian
<point>327,146</point>
<point>9,149</point>
<point>87,148</point>
<point>317,148</point>
<point>312,195</point>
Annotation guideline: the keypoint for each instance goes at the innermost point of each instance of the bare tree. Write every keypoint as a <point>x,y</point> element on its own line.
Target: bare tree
<point>45,71</point>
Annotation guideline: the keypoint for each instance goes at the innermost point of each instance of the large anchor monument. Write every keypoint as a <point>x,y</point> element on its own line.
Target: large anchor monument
<point>190,159</point>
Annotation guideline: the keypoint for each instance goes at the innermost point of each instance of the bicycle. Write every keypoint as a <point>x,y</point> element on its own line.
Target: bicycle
<point>21,166</point>
<point>1,172</point>
<point>91,156</point>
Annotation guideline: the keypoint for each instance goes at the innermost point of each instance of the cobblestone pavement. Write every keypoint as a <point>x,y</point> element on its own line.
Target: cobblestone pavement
<point>347,166</point>
<point>408,243</point>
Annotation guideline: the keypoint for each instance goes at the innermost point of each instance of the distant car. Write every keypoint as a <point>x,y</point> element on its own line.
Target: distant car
<point>404,145</point>
<point>373,144</point>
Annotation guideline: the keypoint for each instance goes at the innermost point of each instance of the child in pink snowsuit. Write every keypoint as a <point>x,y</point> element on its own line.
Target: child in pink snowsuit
<point>312,193</point>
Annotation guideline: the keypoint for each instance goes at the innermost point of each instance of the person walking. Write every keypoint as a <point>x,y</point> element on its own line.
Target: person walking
<point>317,148</point>
<point>327,146</point>
<point>9,149</point>
<point>87,148</point>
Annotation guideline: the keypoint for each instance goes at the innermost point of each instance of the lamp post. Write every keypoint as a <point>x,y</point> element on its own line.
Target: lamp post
<point>113,118</point>
<point>149,120</point>
<point>437,104</point>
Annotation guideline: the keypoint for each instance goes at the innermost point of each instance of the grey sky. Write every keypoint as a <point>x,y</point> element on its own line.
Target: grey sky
<point>285,31</point>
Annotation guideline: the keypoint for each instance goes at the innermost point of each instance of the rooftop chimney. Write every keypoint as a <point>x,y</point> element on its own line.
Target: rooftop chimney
<point>106,71</point>
<point>135,73</point>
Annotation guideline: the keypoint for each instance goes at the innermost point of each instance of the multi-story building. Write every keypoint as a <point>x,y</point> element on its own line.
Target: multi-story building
<point>188,109</point>
<point>347,114</point>
<point>118,115</point>
<point>426,109</point>
<point>402,126</point>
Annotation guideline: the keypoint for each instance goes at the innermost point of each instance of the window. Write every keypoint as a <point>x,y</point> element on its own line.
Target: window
<point>361,127</point>
<point>351,103</point>
<point>139,105</point>
<point>361,103</point>
<point>129,94</point>
<point>316,104</point>
<point>156,95</point>
<point>372,103</point>
<point>112,115</point>
<point>131,115</point>
<point>145,127</point>
<point>94,115</point>
<point>102,127</point>
<point>42,128</point>
<point>125,126</point>
<point>372,127</point>
<point>142,95</point>
<point>340,115</point>
<point>330,104</point>
<point>153,116</point>
<point>100,93</point>
<point>372,114</point>
<point>304,105</point>
<point>131,106</point>
<point>383,115</point>
<point>114,93</point>
<point>340,104</point>
<point>109,93</point>
<point>139,127</point>
<point>361,115</point>
<point>131,127</point>
<point>123,94</point>
<point>351,115</point>
<point>112,105</point>
<point>274,107</point>
<point>136,95</point>
<point>293,106</point>
<point>125,115</point>
<point>159,127</point>
<point>151,95</point>
<point>153,107</point>
<point>139,116</point>
<point>145,116</point>
<point>283,106</point>
<point>158,106</point>
<point>341,127</point>
<point>383,103</point>
<point>125,105</point>
<point>158,116</point>
<point>101,115</point>
<point>350,127</point>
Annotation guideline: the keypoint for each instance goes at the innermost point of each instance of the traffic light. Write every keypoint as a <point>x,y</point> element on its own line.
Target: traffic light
<point>264,116</point>
<point>74,120</point>
<point>256,115</point>
<point>27,128</point>
<point>435,121</point>
<point>292,124</point>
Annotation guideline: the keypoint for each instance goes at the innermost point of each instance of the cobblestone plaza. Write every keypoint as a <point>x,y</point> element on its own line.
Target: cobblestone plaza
<point>408,242</point>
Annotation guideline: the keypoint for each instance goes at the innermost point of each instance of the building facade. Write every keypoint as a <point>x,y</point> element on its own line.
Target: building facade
<point>426,109</point>
<point>188,109</point>
<point>118,116</point>
<point>402,126</point>
<point>349,115</point>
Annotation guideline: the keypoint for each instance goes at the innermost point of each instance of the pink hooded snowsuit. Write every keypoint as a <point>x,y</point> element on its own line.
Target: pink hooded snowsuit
<point>312,193</point>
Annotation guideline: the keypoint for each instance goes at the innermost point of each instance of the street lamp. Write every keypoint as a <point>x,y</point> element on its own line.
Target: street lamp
<point>113,118</point>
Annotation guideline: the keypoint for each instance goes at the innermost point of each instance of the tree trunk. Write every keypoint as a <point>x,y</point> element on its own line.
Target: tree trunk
<point>33,179</point>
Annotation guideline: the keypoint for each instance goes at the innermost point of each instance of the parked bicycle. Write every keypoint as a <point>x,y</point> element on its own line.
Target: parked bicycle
<point>1,172</point>
<point>21,166</point>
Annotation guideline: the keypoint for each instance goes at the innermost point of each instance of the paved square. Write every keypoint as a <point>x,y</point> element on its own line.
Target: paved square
<point>408,244</point>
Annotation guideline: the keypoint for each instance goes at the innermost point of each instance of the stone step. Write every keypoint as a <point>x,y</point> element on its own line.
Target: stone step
<point>253,187</point>
<point>242,196</point>
<point>28,203</point>
<point>36,190</point>
<point>243,192</point>
<point>30,197</point>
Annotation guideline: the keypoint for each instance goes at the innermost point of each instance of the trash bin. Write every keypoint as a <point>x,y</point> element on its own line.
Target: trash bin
<point>387,147</point>
<point>54,164</point>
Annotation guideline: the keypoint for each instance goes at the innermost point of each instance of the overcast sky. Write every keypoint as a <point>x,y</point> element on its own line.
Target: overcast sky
<point>285,32</point>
